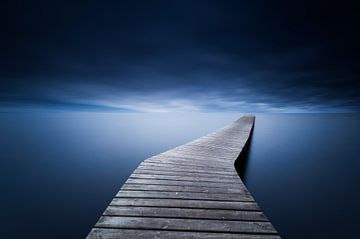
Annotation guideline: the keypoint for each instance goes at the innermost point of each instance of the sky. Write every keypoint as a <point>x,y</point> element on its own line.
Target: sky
<point>188,55</point>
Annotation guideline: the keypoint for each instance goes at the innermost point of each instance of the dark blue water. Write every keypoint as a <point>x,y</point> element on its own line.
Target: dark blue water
<point>60,170</point>
<point>304,171</point>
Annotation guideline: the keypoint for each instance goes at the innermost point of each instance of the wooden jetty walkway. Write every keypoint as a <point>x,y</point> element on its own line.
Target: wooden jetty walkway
<point>192,191</point>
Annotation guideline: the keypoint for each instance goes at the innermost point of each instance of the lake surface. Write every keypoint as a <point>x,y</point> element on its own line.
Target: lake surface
<point>60,170</point>
<point>304,171</point>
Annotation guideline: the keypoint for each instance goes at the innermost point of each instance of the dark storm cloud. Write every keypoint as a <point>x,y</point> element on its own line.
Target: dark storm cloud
<point>181,55</point>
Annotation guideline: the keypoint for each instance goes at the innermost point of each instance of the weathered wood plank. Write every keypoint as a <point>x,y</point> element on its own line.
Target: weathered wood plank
<point>178,203</point>
<point>191,162</point>
<point>188,163</point>
<point>188,174</point>
<point>171,188</point>
<point>220,153</point>
<point>245,197</point>
<point>181,168</point>
<point>183,183</point>
<point>111,233</point>
<point>185,225</point>
<point>186,178</point>
<point>185,213</point>
<point>195,158</point>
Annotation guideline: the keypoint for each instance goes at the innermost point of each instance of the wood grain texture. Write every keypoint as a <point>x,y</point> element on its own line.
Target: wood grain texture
<point>184,203</point>
<point>172,188</point>
<point>185,195</point>
<point>111,233</point>
<point>186,224</point>
<point>191,191</point>
<point>182,183</point>
<point>193,213</point>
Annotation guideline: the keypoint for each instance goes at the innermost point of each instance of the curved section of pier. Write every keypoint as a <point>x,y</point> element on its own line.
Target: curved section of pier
<point>191,191</point>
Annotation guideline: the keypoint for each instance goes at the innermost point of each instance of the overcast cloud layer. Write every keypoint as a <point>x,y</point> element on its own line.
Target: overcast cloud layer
<point>155,56</point>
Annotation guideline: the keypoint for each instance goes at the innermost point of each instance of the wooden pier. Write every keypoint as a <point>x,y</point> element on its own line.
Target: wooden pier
<point>192,191</point>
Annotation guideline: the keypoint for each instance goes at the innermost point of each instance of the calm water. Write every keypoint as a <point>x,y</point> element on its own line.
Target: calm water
<point>304,171</point>
<point>60,170</point>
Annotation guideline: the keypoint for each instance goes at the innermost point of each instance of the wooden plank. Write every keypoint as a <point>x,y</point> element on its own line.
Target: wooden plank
<point>184,183</point>
<point>186,195</point>
<point>112,233</point>
<point>188,174</point>
<point>220,155</point>
<point>209,147</point>
<point>196,158</point>
<point>178,203</point>
<point>185,213</point>
<point>186,178</point>
<point>185,225</point>
<point>171,188</point>
<point>181,168</point>
<point>215,143</point>
<point>212,165</point>
<point>190,163</point>
<point>182,154</point>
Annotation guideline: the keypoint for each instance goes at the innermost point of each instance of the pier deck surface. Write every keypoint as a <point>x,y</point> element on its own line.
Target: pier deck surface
<point>191,191</point>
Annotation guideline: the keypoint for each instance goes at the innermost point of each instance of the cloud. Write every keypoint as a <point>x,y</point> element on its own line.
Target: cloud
<point>193,56</point>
